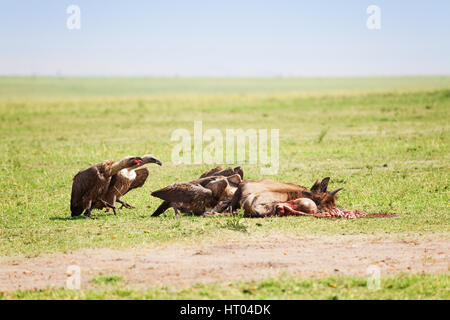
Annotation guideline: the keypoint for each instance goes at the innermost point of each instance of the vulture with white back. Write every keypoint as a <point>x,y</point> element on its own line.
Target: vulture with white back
<point>124,181</point>
<point>207,193</point>
<point>90,185</point>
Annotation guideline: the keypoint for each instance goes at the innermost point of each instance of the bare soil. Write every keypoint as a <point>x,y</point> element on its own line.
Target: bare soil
<point>250,259</point>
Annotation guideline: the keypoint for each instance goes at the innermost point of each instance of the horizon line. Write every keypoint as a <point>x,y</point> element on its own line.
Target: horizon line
<point>226,76</point>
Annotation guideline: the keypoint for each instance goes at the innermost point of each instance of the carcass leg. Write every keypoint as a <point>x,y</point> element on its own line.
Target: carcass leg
<point>283,210</point>
<point>297,207</point>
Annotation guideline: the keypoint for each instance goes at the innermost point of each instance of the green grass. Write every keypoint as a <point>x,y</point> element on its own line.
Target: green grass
<point>51,87</point>
<point>386,141</point>
<point>106,279</point>
<point>421,286</point>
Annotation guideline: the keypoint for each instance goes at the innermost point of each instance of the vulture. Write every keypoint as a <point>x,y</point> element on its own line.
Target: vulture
<point>125,180</point>
<point>211,192</point>
<point>91,184</point>
<point>271,198</point>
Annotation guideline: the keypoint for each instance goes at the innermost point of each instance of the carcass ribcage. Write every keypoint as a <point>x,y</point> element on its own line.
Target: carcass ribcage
<point>341,213</point>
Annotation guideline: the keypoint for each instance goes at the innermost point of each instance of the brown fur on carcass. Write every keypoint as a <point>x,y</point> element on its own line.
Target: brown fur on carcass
<point>266,198</point>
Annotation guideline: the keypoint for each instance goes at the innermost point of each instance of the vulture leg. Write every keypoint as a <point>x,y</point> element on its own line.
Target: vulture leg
<point>107,205</point>
<point>87,213</point>
<point>124,204</point>
<point>176,212</point>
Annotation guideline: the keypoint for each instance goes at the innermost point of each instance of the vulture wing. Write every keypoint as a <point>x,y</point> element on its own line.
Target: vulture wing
<point>225,172</point>
<point>141,177</point>
<point>204,181</point>
<point>218,171</point>
<point>110,190</point>
<point>162,207</point>
<point>217,187</point>
<point>211,172</point>
<point>113,180</point>
<point>183,192</point>
<point>86,185</point>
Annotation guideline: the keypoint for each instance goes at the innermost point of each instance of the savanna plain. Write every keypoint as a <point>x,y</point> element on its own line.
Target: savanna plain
<point>385,140</point>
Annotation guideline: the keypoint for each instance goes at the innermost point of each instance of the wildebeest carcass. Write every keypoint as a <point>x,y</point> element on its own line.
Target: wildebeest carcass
<point>271,198</point>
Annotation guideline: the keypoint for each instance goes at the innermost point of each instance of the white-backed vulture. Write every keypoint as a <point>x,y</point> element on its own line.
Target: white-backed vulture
<point>90,185</point>
<point>271,198</point>
<point>209,192</point>
<point>124,181</point>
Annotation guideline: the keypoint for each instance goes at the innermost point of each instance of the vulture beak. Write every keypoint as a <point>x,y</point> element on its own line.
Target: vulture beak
<point>151,159</point>
<point>154,160</point>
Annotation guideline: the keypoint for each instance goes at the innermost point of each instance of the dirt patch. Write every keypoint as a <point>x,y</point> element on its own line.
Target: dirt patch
<point>254,258</point>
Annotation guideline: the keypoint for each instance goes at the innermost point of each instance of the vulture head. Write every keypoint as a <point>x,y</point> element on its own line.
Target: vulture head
<point>239,171</point>
<point>130,161</point>
<point>232,182</point>
<point>324,199</point>
<point>149,158</point>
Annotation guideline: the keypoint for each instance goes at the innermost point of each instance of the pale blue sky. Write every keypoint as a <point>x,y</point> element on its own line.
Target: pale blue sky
<point>224,38</point>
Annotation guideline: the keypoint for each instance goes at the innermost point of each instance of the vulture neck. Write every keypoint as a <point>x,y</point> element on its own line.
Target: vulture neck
<point>117,166</point>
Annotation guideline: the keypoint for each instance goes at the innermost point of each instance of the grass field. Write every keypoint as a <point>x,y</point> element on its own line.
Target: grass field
<point>422,287</point>
<point>385,140</point>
